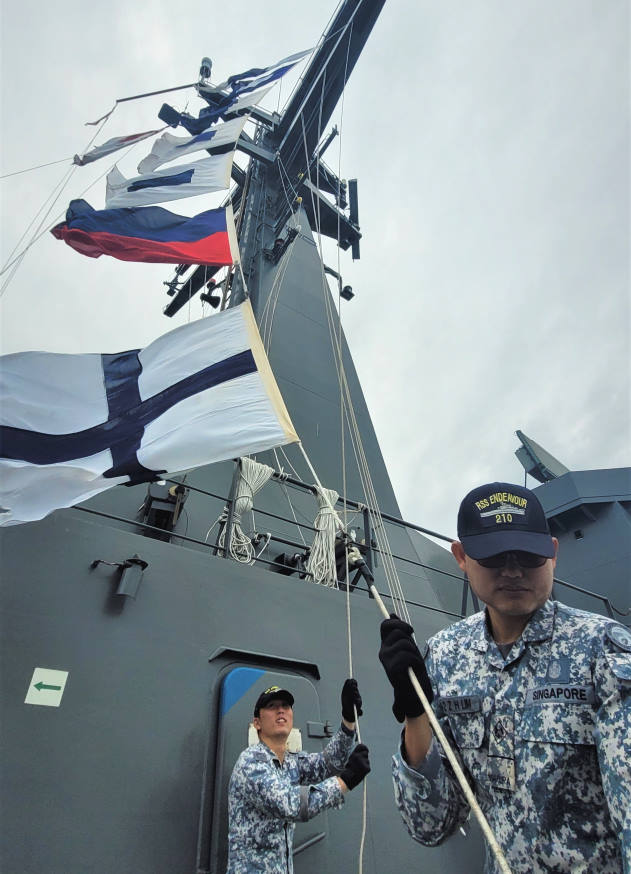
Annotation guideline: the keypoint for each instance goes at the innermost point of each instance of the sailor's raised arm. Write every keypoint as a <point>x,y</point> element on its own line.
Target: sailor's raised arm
<point>335,756</point>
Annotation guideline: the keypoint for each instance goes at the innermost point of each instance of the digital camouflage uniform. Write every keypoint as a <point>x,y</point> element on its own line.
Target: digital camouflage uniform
<point>544,735</point>
<point>266,798</point>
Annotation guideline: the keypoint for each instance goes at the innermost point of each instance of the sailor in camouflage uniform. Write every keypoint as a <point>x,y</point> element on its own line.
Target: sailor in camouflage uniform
<point>534,697</point>
<point>272,788</point>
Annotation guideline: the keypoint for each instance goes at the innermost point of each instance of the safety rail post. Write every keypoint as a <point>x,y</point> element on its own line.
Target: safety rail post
<point>465,592</point>
<point>230,518</point>
<point>368,544</point>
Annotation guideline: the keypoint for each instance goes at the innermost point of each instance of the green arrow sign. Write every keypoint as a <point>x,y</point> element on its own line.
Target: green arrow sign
<point>41,686</point>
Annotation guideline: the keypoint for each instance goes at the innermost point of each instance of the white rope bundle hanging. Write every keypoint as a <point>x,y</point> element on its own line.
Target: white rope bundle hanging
<point>321,561</point>
<point>252,478</point>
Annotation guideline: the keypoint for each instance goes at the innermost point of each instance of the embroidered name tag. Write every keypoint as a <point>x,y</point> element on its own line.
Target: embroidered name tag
<point>560,693</point>
<point>461,704</point>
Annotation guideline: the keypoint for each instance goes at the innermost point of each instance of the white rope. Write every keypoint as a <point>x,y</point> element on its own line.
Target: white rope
<point>321,562</point>
<point>398,596</point>
<point>252,478</point>
<point>269,310</point>
<point>291,506</point>
<point>16,261</point>
<point>389,566</point>
<point>392,578</point>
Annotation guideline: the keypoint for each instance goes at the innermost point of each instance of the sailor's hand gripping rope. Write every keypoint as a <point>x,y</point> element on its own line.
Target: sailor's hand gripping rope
<point>440,735</point>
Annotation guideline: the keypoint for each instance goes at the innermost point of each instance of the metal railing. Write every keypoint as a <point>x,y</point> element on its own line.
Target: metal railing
<point>369,548</point>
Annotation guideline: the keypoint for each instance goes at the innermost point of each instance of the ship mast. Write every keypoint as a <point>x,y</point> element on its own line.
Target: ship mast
<point>282,154</point>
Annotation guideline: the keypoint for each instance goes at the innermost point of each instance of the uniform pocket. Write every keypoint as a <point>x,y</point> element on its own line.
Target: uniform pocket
<point>467,729</point>
<point>557,722</point>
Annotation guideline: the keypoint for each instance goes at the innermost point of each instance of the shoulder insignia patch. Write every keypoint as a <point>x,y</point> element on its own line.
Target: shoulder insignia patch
<point>619,636</point>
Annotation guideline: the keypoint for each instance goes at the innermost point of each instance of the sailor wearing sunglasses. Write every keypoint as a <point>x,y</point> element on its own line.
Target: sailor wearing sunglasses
<point>534,696</point>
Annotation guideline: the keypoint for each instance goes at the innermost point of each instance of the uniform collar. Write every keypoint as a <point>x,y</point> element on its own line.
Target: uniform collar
<point>539,627</point>
<point>541,623</point>
<point>269,752</point>
<point>480,635</point>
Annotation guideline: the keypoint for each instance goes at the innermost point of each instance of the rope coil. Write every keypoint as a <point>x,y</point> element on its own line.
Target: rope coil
<point>252,478</point>
<point>321,562</point>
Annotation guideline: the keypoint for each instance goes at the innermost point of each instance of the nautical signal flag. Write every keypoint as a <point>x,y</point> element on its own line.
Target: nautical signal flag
<point>171,183</point>
<point>222,103</point>
<point>150,234</point>
<point>72,426</point>
<point>218,139</point>
<point>113,145</point>
<point>258,77</point>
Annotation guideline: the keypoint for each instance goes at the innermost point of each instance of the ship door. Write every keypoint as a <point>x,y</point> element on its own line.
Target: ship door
<point>240,688</point>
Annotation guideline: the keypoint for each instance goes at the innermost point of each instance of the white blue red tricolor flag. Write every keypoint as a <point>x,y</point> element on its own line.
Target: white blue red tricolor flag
<point>150,234</point>
<point>170,183</point>
<point>72,426</point>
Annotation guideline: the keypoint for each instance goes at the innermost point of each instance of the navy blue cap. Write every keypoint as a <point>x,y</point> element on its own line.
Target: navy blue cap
<point>499,517</point>
<point>274,693</point>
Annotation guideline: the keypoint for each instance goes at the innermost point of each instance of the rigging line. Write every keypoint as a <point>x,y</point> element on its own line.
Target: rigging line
<point>341,373</point>
<point>60,184</point>
<point>375,517</point>
<point>291,507</point>
<point>301,479</point>
<point>294,471</point>
<point>60,215</point>
<point>340,370</point>
<point>37,167</point>
<point>322,69</point>
<point>266,320</point>
<point>320,42</point>
<point>364,471</point>
<point>342,422</point>
<point>139,97</point>
<point>369,491</point>
<point>270,304</point>
<point>317,154</point>
<point>389,567</point>
<point>289,182</point>
<point>280,276</point>
<point>36,235</point>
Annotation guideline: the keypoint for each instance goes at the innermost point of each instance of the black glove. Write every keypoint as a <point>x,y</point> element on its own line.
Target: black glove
<point>398,653</point>
<point>356,767</point>
<point>351,699</point>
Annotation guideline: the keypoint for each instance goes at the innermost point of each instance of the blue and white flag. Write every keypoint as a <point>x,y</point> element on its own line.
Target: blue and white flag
<point>258,77</point>
<point>172,183</point>
<point>72,426</point>
<point>223,98</point>
<point>240,104</point>
<point>218,139</point>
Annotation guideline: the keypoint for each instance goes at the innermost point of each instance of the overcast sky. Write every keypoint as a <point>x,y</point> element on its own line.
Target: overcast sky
<point>491,144</point>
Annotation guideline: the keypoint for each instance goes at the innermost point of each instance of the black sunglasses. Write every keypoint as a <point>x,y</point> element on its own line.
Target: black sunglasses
<point>523,559</point>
